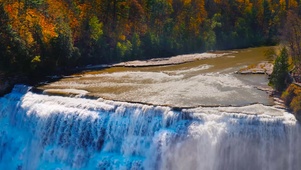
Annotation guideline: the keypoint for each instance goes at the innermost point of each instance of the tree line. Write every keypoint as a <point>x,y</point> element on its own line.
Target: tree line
<point>44,35</point>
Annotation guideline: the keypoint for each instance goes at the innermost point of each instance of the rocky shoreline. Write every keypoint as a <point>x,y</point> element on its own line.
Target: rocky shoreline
<point>261,68</point>
<point>265,68</point>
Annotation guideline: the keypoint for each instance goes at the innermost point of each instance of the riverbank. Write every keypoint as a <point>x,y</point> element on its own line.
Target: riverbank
<point>292,99</point>
<point>267,69</point>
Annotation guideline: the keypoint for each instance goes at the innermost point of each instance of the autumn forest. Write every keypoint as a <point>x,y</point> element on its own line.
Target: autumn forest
<point>45,35</point>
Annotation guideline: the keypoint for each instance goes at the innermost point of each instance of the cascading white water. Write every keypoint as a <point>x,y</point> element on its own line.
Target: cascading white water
<point>49,132</point>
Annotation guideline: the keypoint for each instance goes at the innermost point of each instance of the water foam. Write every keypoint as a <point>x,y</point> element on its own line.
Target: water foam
<point>166,88</point>
<point>49,132</point>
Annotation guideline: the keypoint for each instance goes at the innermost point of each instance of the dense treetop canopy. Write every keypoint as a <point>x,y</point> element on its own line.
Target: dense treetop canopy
<point>39,34</point>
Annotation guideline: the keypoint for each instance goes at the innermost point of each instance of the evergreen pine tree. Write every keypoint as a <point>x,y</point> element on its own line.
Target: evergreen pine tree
<point>280,73</point>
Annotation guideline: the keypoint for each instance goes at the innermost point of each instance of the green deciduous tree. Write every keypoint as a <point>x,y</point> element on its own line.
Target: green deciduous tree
<point>95,28</point>
<point>124,49</point>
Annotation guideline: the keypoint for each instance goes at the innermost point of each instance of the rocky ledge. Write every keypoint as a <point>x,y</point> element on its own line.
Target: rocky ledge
<point>261,68</point>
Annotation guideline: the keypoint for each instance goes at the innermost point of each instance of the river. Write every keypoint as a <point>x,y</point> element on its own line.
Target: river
<point>237,128</point>
<point>207,82</point>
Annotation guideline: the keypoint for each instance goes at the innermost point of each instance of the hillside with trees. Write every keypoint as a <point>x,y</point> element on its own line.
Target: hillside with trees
<point>40,36</point>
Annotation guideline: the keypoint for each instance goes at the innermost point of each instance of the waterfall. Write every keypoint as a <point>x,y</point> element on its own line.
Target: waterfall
<point>53,132</point>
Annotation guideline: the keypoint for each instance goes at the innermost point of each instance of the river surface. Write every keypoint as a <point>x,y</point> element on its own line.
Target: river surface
<point>40,131</point>
<point>208,82</point>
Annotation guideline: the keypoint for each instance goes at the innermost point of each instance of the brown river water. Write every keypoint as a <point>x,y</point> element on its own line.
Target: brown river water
<point>205,82</point>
